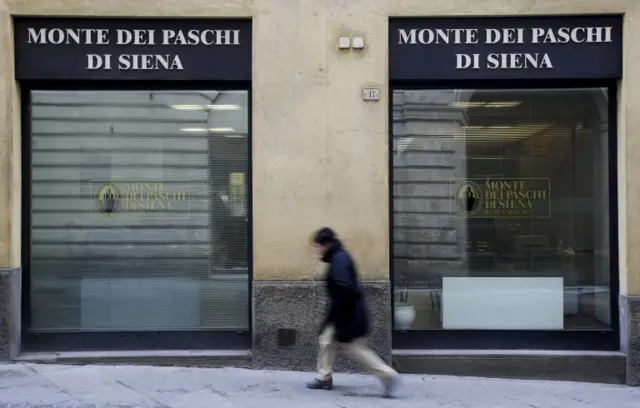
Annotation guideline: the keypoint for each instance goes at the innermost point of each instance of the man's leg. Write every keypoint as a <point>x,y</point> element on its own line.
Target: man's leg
<point>358,350</point>
<point>326,358</point>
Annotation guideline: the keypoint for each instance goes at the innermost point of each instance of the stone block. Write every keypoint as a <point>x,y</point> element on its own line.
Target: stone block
<point>287,316</point>
<point>401,143</point>
<point>434,252</point>
<point>437,160</point>
<point>444,221</point>
<point>10,313</point>
<point>630,336</point>
<point>427,235</point>
<point>427,205</point>
<point>433,190</point>
<point>420,175</point>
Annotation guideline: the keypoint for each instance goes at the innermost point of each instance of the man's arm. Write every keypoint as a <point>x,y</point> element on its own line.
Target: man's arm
<point>344,277</point>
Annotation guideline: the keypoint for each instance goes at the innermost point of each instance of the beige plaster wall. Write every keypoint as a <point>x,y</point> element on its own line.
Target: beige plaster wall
<point>320,152</point>
<point>10,158</point>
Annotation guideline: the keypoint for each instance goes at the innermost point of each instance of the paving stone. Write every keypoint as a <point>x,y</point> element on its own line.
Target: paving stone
<point>31,386</point>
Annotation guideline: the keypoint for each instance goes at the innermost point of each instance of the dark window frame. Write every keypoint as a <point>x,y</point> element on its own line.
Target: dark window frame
<point>125,340</point>
<point>572,339</point>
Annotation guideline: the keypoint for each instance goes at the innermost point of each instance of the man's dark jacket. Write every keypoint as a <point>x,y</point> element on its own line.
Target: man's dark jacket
<point>347,311</point>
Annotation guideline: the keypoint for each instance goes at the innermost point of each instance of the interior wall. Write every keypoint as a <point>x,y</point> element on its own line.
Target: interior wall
<point>571,206</point>
<point>319,151</point>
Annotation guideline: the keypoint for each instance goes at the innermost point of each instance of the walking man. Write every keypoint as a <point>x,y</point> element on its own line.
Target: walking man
<point>346,321</point>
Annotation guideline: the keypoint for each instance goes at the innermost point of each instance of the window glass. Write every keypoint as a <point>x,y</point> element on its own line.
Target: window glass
<point>501,209</point>
<point>139,211</point>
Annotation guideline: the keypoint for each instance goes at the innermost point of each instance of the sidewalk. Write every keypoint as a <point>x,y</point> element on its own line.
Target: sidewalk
<point>56,386</point>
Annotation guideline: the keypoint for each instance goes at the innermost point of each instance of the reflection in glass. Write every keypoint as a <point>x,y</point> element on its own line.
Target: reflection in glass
<point>139,220</point>
<point>501,209</point>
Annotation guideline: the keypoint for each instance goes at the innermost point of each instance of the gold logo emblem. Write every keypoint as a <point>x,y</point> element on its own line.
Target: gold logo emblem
<point>468,197</point>
<point>107,198</point>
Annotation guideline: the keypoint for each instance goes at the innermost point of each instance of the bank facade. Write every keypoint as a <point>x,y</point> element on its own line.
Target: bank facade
<point>165,165</point>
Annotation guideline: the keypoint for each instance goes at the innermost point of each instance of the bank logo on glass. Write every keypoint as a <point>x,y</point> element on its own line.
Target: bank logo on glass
<point>107,198</point>
<point>501,198</point>
<point>140,198</point>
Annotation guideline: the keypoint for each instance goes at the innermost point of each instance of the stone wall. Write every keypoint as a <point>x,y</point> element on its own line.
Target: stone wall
<point>10,313</point>
<point>428,163</point>
<point>287,318</point>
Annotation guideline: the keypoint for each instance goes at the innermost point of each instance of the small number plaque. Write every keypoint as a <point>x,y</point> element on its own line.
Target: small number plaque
<point>371,94</point>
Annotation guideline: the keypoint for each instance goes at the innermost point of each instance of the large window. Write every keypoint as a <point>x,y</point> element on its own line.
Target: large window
<point>139,211</point>
<point>501,209</point>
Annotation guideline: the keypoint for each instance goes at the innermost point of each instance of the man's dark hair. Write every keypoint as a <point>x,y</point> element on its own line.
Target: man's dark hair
<point>324,236</point>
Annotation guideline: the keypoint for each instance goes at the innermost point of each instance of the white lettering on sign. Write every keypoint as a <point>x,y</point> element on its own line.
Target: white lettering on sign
<point>137,37</point>
<point>577,35</point>
<point>518,61</point>
<point>495,36</point>
<point>439,36</point>
<point>149,62</point>
<point>464,61</point>
<point>205,37</point>
<point>67,36</point>
<point>505,36</point>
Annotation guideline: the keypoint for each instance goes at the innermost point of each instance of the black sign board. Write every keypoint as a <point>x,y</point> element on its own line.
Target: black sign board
<point>127,49</point>
<point>565,47</point>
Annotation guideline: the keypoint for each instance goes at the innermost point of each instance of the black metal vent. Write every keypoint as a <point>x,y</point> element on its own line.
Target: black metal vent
<point>287,337</point>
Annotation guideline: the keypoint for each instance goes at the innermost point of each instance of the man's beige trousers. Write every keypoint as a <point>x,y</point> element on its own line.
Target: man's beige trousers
<point>357,350</point>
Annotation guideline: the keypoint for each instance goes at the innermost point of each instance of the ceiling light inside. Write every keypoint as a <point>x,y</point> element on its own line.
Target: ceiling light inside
<point>467,104</point>
<point>489,127</point>
<point>473,127</point>
<point>499,104</point>
<point>205,107</point>
<point>505,104</point>
<point>200,130</point>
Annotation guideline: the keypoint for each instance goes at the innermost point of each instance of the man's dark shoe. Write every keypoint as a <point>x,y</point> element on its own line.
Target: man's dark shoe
<point>391,386</point>
<point>318,384</point>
